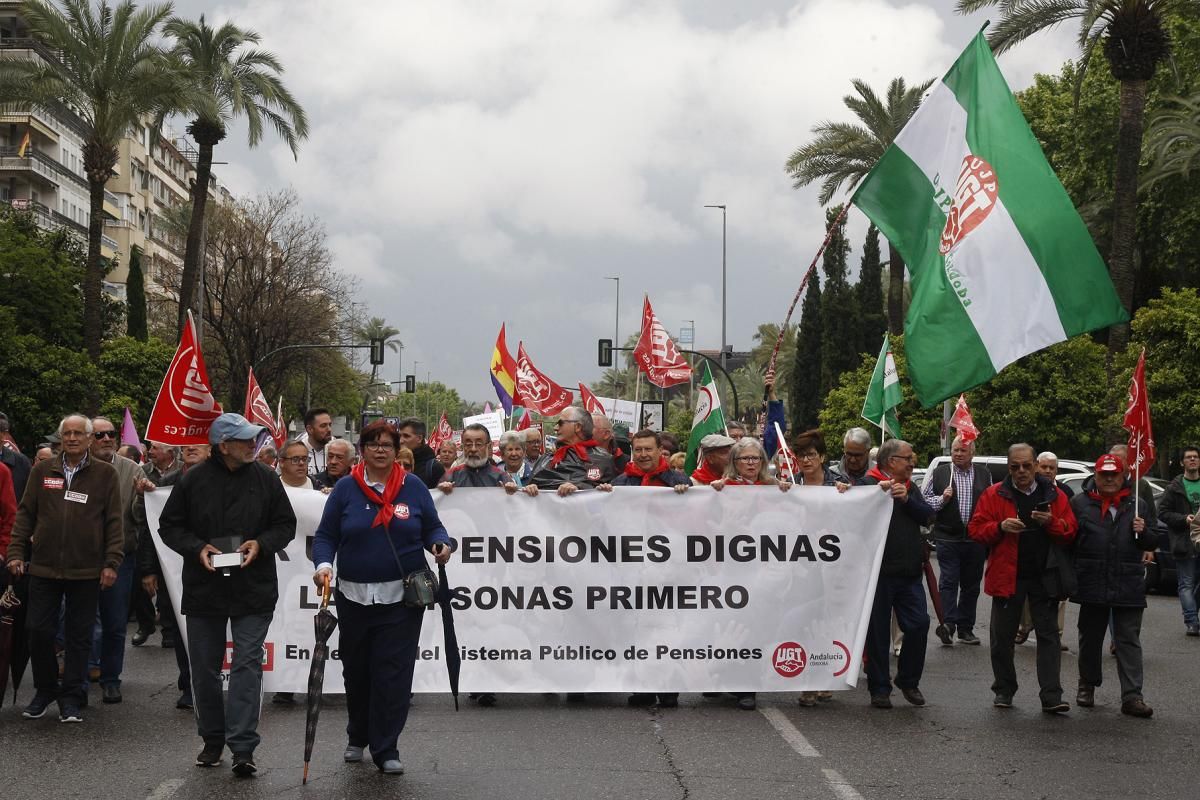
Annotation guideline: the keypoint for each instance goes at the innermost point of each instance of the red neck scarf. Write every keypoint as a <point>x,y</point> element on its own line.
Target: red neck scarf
<point>580,449</point>
<point>705,474</point>
<point>880,475</point>
<point>1108,502</point>
<point>392,488</point>
<point>633,471</point>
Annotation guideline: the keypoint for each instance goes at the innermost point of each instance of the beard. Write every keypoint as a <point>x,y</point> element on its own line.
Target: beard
<point>475,462</point>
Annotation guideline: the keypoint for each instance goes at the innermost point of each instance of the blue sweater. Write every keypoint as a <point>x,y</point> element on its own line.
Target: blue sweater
<point>363,555</point>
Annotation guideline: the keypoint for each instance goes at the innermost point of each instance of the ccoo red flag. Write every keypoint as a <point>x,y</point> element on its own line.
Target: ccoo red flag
<point>185,408</point>
<point>1142,452</point>
<point>524,422</point>
<point>441,433</point>
<point>258,412</point>
<point>656,353</point>
<point>962,422</point>
<point>534,390</point>
<point>591,403</point>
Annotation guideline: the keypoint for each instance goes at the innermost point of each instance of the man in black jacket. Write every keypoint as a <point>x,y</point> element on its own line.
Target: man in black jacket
<point>952,492</point>
<point>425,463</point>
<point>578,462</point>
<point>228,504</point>
<point>1176,508</point>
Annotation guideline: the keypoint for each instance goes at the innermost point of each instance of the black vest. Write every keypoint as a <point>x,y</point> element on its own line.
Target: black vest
<point>949,524</point>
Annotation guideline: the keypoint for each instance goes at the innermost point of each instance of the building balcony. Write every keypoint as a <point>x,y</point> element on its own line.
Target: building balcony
<point>34,119</point>
<point>38,163</point>
<point>14,45</point>
<point>110,243</point>
<point>112,205</point>
<point>41,213</point>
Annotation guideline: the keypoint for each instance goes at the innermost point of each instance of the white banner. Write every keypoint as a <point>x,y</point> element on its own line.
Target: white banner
<point>749,589</point>
<point>493,421</point>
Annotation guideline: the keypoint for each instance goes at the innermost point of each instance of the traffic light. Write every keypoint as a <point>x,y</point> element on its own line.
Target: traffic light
<point>605,352</point>
<point>376,352</point>
<point>410,384</point>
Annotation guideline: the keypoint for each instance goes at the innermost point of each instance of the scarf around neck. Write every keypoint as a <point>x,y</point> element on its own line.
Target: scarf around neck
<point>880,475</point>
<point>633,471</point>
<point>705,474</point>
<point>580,448</point>
<point>1108,502</point>
<point>387,501</point>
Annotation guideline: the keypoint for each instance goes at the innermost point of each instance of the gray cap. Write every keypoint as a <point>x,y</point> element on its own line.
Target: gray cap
<point>715,441</point>
<point>229,427</point>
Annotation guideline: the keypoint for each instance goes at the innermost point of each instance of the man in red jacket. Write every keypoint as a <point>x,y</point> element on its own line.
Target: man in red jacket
<point>1022,520</point>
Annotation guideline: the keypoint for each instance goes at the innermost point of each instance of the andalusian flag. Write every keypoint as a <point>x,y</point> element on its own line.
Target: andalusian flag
<point>504,372</point>
<point>883,394</point>
<point>1001,263</point>
<point>709,419</point>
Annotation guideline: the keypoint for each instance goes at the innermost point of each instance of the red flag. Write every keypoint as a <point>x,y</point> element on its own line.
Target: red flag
<point>279,430</point>
<point>258,412</point>
<point>534,390</point>
<point>1137,421</point>
<point>962,422</point>
<point>185,408</point>
<point>590,402</point>
<point>656,354</point>
<point>441,433</point>
<point>524,422</point>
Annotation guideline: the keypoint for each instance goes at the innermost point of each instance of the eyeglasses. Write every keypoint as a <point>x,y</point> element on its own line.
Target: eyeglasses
<point>296,460</point>
<point>566,422</point>
<point>910,459</point>
<point>852,454</point>
<point>808,456</point>
<point>105,434</point>
<point>379,446</point>
<point>1020,467</point>
<point>748,458</point>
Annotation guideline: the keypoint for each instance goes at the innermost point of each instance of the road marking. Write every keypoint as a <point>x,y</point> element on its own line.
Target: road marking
<point>788,731</point>
<point>839,785</point>
<point>166,789</point>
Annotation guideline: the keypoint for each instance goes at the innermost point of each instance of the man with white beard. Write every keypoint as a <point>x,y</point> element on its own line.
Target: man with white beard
<point>477,468</point>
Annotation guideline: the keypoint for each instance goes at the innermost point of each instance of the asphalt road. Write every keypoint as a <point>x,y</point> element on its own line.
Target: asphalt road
<point>538,746</point>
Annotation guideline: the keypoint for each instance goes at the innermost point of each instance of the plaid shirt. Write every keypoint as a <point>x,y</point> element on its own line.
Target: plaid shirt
<point>70,471</point>
<point>964,485</point>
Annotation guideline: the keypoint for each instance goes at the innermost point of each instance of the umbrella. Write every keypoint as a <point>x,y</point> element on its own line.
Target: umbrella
<point>8,607</point>
<point>453,658</point>
<point>324,624</point>
<point>934,594</point>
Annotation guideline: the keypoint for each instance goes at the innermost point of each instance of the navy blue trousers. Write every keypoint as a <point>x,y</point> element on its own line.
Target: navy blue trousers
<point>905,596</point>
<point>960,565</point>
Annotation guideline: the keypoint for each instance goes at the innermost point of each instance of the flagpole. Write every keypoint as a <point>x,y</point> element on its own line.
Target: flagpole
<point>1137,469</point>
<point>882,429</point>
<point>787,457</point>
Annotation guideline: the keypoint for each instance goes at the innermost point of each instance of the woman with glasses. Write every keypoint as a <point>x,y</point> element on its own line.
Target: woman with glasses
<point>748,467</point>
<point>377,526</point>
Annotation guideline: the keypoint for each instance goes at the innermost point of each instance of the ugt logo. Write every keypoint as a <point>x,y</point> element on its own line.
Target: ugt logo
<point>974,198</point>
<point>789,659</point>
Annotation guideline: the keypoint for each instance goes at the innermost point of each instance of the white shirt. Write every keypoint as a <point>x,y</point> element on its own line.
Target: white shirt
<point>369,594</point>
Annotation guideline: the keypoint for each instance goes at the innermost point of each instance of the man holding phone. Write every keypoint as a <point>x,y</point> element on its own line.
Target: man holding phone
<point>1022,520</point>
<point>228,517</point>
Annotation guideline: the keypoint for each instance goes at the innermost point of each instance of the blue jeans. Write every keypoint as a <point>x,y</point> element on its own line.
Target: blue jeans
<point>960,568</point>
<point>231,719</point>
<point>906,596</point>
<point>112,620</point>
<point>1185,569</point>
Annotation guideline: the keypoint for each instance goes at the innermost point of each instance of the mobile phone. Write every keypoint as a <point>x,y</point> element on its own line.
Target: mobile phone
<point>1043,506</point>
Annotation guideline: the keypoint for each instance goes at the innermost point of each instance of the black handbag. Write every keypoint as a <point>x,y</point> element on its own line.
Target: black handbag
<point>1058,577</point>
<point>420,585</point>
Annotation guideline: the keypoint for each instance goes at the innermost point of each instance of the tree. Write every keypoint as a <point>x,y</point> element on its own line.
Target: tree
<point>805,391</point>
<point>839,310</point>
<point>131,372</point>
<point>1133,37</point>
<point>760,355</point>
<point>372,329</point>
<point>113,74</point>
<point>872,320</point>
<point>225,82</point>
<point>40,275</point>
<point>135,296</point>
<point>844,153</point>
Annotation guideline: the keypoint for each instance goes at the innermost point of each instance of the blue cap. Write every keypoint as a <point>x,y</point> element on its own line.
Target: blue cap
<point>232,427</point>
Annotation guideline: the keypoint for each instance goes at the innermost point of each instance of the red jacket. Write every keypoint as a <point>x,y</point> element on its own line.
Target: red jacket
<point>997,505</point>
<point>8,509</point>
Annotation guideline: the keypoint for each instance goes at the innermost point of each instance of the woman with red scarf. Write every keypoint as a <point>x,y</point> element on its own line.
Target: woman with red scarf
<point>377,527</point>
<point>748,467</point>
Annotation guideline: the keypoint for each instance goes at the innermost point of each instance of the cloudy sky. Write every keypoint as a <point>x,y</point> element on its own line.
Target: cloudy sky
<point>478,162</point>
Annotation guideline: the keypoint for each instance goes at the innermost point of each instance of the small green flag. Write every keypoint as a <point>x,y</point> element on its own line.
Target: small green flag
<point>883,395</point>
<point>709,419</point>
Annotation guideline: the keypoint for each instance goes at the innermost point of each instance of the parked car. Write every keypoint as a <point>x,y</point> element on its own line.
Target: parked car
<point>998,466</point>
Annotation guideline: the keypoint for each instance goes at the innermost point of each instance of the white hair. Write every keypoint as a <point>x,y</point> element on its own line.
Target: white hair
<point>87,423</point>
<point>859,436</point>
<point>332,442</point>
<point>1047,456</point>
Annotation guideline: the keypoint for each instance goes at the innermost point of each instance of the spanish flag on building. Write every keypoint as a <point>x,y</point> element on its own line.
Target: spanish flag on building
<point>23,148</point>
<point>504,373</point>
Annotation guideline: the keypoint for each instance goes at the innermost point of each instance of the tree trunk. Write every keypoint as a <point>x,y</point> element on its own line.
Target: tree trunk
<point>895,301</point>
<point>1124,226</point>
<point>193,258</point>
<point>93,281</point>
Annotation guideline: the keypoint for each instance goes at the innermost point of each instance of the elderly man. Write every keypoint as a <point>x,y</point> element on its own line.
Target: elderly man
<point>268,456</point>
<point>226,506</point>
<point>1024,521</point>
<point>425,463</point>
<point>339,457</point>
<point>447,454</point>
<point>1047,465</point>
<point>856,456</point>
<point>1178,507</point>
<point>737,430</point>
<point>318,431</point>
<point>952,491</point>
<point>160,460</point>
<point>899,588</point>
<point>714,459</point>
<point>74,510</point>
<point>512,457</point>
<point>108,650</point>
<point>535,444</point>
<point>578,462</point>
<point>602,431</point>
<point>477,469</point>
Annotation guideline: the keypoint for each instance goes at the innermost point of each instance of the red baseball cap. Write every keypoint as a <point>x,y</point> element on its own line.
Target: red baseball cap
<point>1109,463</point>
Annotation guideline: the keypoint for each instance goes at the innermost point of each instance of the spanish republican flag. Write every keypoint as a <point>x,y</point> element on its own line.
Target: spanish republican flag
<point>504,372</point>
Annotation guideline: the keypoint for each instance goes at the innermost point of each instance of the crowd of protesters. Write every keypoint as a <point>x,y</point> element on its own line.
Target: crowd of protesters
<point>1025,539</point>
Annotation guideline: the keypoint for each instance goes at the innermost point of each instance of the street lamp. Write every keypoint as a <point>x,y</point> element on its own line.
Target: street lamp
<point>722,282</point>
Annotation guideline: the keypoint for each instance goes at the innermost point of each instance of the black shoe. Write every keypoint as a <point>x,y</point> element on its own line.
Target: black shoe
<point>70,713</point>
<point>1085,697</point>
<point>1193,629</point>
<point>1137,708</point>
<point>243,765</point>
<point>184,701</point>
<point>881,701</point>
<point>747,703</point>
<point>487,699</point>
<point>111,692</point>
<point>670,700</point>
<point>141,636</point>
<point>913,696</point>
<point>710,695</point>
<point>641,700</point>
<point>1061,707</point>
<point>1002,701</point>
<point>37,707</point>
<point>575,697</point>
<point>284,699</point>
<point>945,633</point>
<point>168,642</point>
<point>968,638</point>
<point>210,756</point>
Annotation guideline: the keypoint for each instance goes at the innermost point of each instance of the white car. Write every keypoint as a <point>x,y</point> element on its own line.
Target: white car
<point>998,466</point>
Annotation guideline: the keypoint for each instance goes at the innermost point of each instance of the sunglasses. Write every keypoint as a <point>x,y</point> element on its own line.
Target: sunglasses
<point>105,434</point>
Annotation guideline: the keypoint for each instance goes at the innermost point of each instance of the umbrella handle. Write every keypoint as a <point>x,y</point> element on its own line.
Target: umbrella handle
<point>325,591</point>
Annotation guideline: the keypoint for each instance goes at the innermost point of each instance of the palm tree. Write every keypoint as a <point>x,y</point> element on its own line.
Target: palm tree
<point>1173,140</point>
<point>111,72</point>
<point>377,328</point>
<point>1134,41</point>
<point>225,82</point>
<point>846,152</point>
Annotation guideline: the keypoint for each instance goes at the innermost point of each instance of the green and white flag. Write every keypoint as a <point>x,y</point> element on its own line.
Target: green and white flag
<point>709,418</point>
<point>884,395</point>
<point>1001,263</point>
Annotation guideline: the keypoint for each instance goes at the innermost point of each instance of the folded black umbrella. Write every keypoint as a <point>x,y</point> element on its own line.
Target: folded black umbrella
<point>453,658</point>
<point>324,624</point>
<point>8,607</point>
